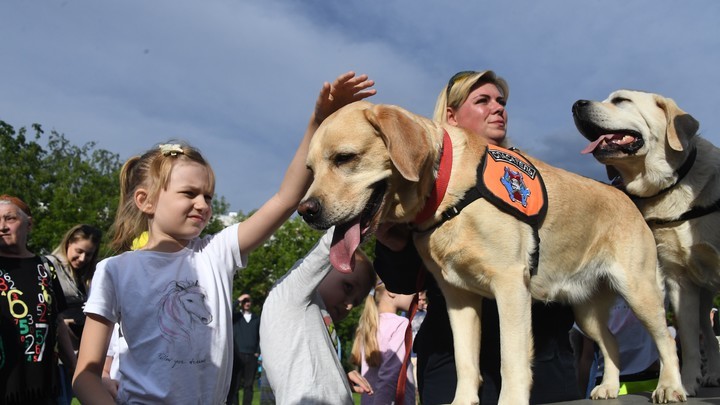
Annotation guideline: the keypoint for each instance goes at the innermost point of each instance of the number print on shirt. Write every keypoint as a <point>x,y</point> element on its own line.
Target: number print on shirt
<point>33,324</point>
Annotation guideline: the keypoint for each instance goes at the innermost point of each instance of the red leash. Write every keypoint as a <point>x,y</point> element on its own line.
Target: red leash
<point>402,378</point>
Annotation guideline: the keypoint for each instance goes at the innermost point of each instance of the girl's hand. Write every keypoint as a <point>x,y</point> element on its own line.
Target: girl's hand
<point>111,386</point>
<point>347,88</point>
<point>359,384</point>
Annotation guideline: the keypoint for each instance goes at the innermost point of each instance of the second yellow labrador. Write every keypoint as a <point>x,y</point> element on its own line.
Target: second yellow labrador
<point>379,164</point>
<point>673,175</point>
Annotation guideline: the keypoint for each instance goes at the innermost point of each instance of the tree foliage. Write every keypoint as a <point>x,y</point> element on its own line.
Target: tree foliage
<point>63,184</point>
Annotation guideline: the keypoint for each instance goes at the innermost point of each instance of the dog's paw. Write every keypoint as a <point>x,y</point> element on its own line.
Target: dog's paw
<point>711,380</point>
<point>605,391</point>
<point>663,395</point>
<point>691,381</point>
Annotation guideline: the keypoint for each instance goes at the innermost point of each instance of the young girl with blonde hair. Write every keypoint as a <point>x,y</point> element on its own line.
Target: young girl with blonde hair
<point>379,346</point>
<point>173,296</point>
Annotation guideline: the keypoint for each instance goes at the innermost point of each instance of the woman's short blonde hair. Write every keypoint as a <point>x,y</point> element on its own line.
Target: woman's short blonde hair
<point>460,86</point>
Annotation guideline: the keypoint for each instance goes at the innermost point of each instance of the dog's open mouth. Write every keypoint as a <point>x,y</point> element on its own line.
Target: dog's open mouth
<point>606,141</point>
<point>348,236</point>
<point>628,142</point>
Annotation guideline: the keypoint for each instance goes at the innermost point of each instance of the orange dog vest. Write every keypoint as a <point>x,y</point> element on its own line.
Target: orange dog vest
<point>513,184</point>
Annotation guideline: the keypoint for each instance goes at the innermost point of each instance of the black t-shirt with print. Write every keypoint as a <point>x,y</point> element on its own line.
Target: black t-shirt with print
<point>30,299</point>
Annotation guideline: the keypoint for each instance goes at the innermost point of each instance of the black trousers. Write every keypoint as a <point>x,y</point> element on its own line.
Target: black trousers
<point>244,369</point>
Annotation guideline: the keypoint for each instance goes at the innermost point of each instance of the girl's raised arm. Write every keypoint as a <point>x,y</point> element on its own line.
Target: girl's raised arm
<point>87,382</point>
<point>254,231</point>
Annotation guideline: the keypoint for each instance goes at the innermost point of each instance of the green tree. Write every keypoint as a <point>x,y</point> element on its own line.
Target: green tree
<point>64,184</point>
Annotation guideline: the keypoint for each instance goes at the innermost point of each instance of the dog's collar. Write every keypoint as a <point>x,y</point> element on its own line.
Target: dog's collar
<point>695,212</point>
<point>441,182</point>
<point>681,173</point>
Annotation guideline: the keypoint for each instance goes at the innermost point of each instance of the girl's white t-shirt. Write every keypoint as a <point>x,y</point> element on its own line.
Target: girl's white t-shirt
<point>176,317</point>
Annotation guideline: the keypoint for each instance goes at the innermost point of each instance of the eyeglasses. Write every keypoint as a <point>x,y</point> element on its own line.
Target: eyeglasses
<point>457,76</point>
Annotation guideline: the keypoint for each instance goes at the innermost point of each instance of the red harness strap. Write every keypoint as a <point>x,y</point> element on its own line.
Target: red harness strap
<point>441,183</point>
<point>402,378</point>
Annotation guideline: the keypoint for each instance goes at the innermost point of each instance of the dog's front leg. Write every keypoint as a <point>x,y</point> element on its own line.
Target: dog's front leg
<point>464,311</point>
<point>516,343</point>
<point>685,300</point>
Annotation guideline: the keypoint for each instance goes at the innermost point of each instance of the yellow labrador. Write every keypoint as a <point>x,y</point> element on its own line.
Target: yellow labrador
<point>378,164</point>
<point>673,175</point>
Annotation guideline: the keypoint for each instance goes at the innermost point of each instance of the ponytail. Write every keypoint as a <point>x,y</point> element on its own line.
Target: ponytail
<point>366,332</point>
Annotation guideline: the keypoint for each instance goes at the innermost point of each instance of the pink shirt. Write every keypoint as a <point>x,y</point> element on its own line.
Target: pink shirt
<point>383,379</point>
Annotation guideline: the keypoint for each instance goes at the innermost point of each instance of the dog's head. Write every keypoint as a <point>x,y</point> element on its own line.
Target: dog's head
<point>631,127</point>
<point>367,161</point>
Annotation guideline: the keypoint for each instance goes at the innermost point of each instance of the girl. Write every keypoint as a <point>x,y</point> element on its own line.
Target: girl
<point>298,339</point>
<point>379,346</point>
<point>173,296</point>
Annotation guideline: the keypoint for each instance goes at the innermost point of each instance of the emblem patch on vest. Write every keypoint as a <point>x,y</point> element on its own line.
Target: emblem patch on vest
<point>513,184</point>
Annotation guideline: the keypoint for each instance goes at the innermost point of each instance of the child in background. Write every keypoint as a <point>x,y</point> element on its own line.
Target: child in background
<point>173,296</point>
<point>297,335</point>
<point>116,350</point>
<point>379,346</point>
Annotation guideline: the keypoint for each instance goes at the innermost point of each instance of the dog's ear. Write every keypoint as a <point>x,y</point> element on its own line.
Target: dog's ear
<point>406,140</point>
<point>681,126</point>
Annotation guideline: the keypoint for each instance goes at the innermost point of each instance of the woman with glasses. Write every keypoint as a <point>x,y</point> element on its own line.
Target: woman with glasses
<point>476,102</point>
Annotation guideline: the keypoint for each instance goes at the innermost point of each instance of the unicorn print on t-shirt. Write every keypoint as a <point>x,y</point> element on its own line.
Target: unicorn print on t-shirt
<point>181,311</point>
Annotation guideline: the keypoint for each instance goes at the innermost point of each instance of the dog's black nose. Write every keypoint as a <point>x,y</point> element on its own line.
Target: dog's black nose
<point>309,208</point>
<point>579,105</point>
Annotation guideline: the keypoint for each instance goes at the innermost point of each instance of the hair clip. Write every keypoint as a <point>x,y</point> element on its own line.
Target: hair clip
<point>171,149</point>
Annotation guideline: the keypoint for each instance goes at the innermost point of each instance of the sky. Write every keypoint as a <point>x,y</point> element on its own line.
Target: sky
<point>238,79</point>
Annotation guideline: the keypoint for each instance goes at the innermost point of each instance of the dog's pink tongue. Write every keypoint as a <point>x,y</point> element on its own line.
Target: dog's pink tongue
<point>346,239</point>
<point>594,144</point>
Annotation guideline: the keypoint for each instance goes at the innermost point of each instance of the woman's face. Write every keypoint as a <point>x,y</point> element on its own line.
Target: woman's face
<point>483,112</point>
<point>80,252</point>
<point>14,229</point>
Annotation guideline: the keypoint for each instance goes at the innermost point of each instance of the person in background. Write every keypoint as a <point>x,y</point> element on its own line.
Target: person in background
<point>639,361</point>
<point>116,350</point>
<point>297,334</point>
<point>475,101</point>
<point>172,296</point>
<point>416,322</point>
<point>246,349</point>
<point>379,346</point>
<point>74,260</point>
<point>421,312</point>
<point>30,326</point>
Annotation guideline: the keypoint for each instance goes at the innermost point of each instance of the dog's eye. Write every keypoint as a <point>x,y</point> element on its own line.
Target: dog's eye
<point>619,100</point>
<point>342,158</point>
